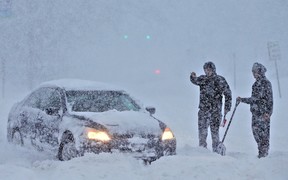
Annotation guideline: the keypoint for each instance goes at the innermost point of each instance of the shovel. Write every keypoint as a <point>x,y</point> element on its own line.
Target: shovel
<point>221,149</point>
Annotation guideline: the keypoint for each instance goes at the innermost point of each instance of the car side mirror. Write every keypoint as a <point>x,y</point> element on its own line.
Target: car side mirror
<point>52,111</point>
<point>151,110</point>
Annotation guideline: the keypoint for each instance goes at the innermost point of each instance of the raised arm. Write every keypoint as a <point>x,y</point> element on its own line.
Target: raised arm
<point>196,80</point>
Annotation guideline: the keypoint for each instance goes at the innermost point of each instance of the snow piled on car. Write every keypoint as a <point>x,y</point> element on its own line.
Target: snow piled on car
<point>125,122</point>
<point>78,84</point>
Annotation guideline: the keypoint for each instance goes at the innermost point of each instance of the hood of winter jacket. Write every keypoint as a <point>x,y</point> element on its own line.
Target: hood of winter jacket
<point>259,68</point>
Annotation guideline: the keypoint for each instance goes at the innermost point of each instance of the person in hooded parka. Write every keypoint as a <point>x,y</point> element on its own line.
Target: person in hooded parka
<point>212,89</point>
<point>261,107</point>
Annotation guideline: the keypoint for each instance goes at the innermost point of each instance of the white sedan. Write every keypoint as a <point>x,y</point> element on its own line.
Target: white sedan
<point>71,117</point>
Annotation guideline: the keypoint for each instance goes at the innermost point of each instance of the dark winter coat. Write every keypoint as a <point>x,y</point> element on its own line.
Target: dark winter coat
<point>261,100</point>
<point>212,89</point>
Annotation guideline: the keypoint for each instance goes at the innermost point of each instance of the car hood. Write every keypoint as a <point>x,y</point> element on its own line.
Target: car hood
<point>126,122</point>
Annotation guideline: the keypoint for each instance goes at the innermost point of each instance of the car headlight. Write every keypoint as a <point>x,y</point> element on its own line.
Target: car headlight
<point>94,134</point>
<point>167,134</point>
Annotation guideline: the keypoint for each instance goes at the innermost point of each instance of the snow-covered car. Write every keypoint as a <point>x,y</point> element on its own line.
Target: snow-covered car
<point>70,117</point>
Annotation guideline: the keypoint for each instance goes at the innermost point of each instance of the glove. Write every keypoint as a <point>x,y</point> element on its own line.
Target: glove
<point>224,122</point>
<point>238,100</point>
<point>224,119</point>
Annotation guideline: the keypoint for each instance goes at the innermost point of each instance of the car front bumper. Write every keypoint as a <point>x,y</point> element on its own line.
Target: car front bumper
<point>146,149</point>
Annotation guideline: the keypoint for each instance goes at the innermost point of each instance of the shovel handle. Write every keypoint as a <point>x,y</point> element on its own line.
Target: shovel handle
<point>237,103</point>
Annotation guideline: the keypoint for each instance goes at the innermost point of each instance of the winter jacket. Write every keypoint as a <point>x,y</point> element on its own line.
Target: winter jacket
<point>212,89</point>
<point>261,100</point>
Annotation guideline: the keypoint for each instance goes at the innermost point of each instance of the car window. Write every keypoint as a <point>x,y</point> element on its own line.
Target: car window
<point>44,98</point>
<point>100,101</point>
<point>33,99</point>
<point>50,98</point>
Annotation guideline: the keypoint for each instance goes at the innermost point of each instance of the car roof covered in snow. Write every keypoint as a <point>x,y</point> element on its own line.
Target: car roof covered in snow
<point>78,84</point>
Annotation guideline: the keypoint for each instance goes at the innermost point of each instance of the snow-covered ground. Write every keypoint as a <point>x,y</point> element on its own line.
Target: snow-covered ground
<point>191,162</point>
<point>130,40</point>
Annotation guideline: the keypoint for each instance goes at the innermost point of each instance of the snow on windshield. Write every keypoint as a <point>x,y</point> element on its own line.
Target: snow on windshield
<point>100,101</point>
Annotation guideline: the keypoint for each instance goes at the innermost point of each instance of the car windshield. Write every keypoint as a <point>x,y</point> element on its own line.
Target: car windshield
<point>100,101</point>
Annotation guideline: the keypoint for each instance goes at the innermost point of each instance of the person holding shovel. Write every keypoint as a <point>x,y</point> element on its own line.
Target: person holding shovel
<point>212,89</point>
<point>261,107</point>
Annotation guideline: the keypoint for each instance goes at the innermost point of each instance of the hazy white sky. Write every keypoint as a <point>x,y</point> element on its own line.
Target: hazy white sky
<point>126,41</point>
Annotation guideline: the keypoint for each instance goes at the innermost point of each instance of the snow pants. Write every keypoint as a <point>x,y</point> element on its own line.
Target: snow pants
<point>208,118</point>
<point>261,132</point>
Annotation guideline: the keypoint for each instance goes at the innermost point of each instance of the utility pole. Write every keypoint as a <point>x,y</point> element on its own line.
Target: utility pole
<point>3,75</point>
<point>274,55</point>
<point>33,62</point>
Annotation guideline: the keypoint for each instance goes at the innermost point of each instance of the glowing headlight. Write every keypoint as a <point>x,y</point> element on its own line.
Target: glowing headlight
<point>94,134</point>
<point>167,134</point>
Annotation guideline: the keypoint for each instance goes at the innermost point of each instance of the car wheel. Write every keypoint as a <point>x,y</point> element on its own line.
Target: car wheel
<point>17,137</point>
<point>67,149</point>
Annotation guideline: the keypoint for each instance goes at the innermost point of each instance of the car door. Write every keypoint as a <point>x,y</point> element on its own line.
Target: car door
<point>28,113</point>
<point>48,119</point>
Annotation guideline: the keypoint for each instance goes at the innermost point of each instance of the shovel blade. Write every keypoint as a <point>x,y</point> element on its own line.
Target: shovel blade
<point>221,149</point>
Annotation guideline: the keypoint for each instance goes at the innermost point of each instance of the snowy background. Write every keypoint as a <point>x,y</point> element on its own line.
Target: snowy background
<point>149,47</point>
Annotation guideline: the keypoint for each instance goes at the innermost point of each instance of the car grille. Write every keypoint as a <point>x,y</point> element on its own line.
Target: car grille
<point>135,143</point>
